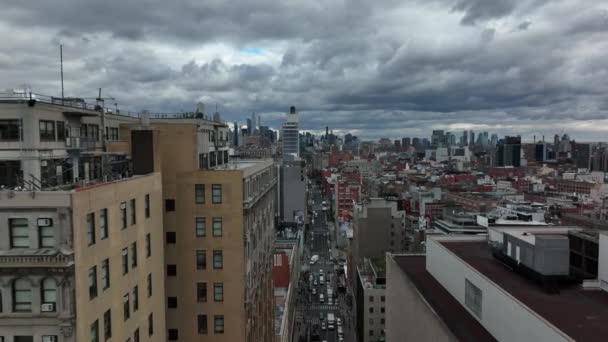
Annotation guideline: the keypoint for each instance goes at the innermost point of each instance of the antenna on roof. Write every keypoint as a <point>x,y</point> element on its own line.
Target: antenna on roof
<point>61,68</point>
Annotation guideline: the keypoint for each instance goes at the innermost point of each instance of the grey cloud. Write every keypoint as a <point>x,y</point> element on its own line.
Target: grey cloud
<point>524,26</point>
<point>351,65</point>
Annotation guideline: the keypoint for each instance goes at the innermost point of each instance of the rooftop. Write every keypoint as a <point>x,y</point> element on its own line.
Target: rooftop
<point>460,322</point>
<point>586,317</point>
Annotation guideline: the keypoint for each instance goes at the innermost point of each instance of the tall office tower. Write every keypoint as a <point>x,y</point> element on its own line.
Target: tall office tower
<point>254,123</point>
<point>582,155</point>
<point>485,140</point>
<point>81,242</point>
<point>406,142</point>
<point>249,127</point>
<point>290,134</point>
<point>472,139</point>
<point>437,138</point>
<point>218,221</point>
<point>540,151</point>
<point>235,137</point>
<point>416,142</point>
<point>494,139</point>
<point>465,138</point>
<point>508,152</point>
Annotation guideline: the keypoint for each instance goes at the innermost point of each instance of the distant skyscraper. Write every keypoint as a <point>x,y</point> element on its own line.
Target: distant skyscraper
<point>290,134</point>
<point>416,142</point>
<point>249,127</point>
<point>465,138</point>
<point>472,138</point>
<point>494,140</point>
<point>508,152</point>
<point>437,138</point>
<point>235,139</point>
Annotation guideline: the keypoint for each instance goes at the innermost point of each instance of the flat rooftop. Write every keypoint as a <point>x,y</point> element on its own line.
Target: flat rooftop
<point>581,314</point>
<point>460,322</point>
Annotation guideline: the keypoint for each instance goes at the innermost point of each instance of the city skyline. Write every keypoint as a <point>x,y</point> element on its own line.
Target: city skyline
<point>413,66</point>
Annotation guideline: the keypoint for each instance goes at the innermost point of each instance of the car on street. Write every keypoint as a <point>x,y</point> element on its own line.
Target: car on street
<point>339,321</point>
<point>323,326</point>
<point>321,316</point>
<point>321,271</point>
<point>314,291</point>
<point>331,327</point>
<point>314,282</point>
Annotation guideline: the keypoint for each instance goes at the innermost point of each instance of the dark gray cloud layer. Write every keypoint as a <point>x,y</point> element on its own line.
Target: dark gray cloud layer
<point>377,68</point>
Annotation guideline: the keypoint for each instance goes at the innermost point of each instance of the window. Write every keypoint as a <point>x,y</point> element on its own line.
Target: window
<point>218,324</point>
<point>136,335</point>
<point>126,307</point>
<point>201,292</point>
<point>134,255</point>
<point>60,130</point>
<point>216,192</point>
<point>46,236</point>
<point>371,321</point>
<point>94,132</point>
<point>103,224</point>
<point>218,292</point>
<point>149,285</point>
<point>95,331</point>
<point>123,215</point>
<point>92,282</point>
<point>201,227</point>
<point>202,324</point>
<point>47,130</point>
<point>148,246</point>
<point>107,324</point>
<point>371,310</point>
<point>217,227</point>
<point>147,205</point>
<point>19,230</point>
<point>173,335</point>
<point>169,205</point>
<point>150,325</point>
<point>473,298</point>
<point>91,228</point>
<point>172,302</point>
<point>382,299</point>
<point>49,291</point>
<point>133,208</point>
<point>105,274</point>
<point>22,339</point>
<point>371,333</point>
<point>382,321</point>
<point>171,237</point>
<point>218,260</point>
<point>199,193</point>
<point>125,260</point>
<point>201,259</point>
<point>382,309</point>
<point>10,130</point>
<point>371,299</point>
<point>22,295</point>
<point>171,270</point>
<point>135,298</point>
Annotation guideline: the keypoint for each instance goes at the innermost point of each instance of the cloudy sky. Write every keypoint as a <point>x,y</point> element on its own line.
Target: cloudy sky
<point>382,68</point>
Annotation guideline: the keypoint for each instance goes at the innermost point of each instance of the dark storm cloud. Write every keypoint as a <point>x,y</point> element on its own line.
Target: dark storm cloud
<point>378,68</point>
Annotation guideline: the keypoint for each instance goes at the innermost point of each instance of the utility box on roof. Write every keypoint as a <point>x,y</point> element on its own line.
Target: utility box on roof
<point>547,254</point>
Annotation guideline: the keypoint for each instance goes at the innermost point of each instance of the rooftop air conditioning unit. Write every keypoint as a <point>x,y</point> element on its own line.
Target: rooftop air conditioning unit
<point>45,222</point>
<point>48,307</point>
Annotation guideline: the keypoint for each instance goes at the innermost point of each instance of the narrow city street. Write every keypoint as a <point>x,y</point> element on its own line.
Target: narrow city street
<point>320,295</point>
